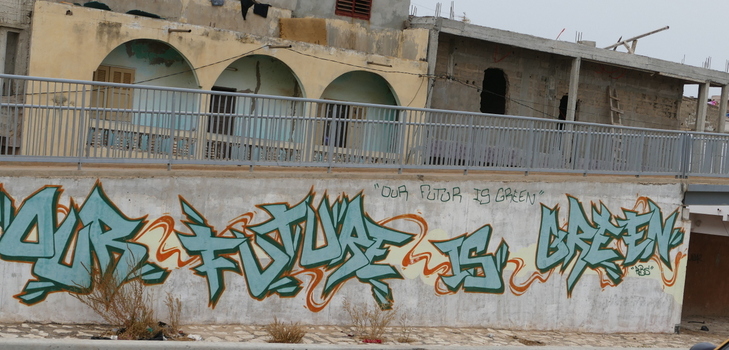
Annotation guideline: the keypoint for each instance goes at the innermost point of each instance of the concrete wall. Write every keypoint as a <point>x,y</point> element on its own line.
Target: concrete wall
<point>12,13</point>
<point>538,80</point>
<point>381,35</point>
<point>390,14</point>
<point>534,253</point>
<point>687,116</point>
<point>15,17</point>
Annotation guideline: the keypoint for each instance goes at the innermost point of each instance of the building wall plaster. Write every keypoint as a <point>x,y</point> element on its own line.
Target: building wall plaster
<point>97,33</point>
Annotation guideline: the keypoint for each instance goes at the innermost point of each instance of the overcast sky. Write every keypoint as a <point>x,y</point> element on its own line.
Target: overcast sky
<point>696,31</point>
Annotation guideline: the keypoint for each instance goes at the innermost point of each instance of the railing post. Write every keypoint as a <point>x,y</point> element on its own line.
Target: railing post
<point>588,151</point>
<point>172,131</point>
<point>531,148</point>
<point>330,137</point>
<point>83,134</point>
<point>685,155</point>
<point>469,146</point>
<point>639,164</point>
<point>403,133</point>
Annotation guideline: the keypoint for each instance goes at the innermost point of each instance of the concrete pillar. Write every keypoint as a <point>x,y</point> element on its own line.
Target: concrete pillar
<point>702,106</point>
<point>722,108</point>
<point>574,82</point>
<point>432,58</point>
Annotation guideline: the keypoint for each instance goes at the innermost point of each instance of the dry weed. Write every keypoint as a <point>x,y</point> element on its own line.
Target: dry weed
<point>285,332</point>
<point>369,322</point>
<point>406,329</point>
<point>174,309</point>
<point>120,302</point>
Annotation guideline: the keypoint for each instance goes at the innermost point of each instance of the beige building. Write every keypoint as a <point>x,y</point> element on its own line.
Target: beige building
<point>329,50</point>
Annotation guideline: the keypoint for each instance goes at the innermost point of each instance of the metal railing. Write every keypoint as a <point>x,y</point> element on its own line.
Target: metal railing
<point>55,120</point>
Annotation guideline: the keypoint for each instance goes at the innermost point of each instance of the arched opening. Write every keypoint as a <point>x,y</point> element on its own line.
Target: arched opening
<point>147,62</point>
<point>366,128</point>
<point>241,116</point>
<point>135,120</point>
<point>260,74</point>
<point>493,93</point>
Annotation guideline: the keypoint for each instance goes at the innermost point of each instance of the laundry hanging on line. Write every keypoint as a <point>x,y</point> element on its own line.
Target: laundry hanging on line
<point>258,8</point>
<point>261,9</point>
<point>245,5</point>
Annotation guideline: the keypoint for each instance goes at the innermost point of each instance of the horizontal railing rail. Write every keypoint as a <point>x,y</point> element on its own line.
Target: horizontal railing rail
<point>58,120</point>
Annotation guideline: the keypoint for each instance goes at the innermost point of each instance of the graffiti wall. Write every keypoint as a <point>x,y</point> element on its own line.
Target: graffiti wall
<point>532,255</point>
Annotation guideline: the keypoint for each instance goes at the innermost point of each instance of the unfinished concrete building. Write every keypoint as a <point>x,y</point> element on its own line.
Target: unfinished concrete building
<point>488,70</point>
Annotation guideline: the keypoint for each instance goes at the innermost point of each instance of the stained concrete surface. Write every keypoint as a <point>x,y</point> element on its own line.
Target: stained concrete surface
<point>36,336</point>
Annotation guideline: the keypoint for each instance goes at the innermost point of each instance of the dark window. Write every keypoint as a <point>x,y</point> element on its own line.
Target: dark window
<point>225,105</point>
<point>354,8</point>
<point>493,95</point>
<point>336,130</point>
<point>11,54</point>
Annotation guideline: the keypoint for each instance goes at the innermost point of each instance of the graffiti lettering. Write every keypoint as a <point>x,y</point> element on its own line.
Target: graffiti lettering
<point>444,195</point>
<point>592,243</point>
<point>315,248</point>
<point>355,245</point>
<point>642,270</point>
<point>483,196</point>
<point>62,254</point>
<point>473,269</point>
<point>389,192</point>
<point>514,196</point>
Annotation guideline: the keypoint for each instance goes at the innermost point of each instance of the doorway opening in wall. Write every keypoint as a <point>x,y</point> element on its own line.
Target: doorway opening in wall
<point>341,128</point>
<point>705,301</point>
<point>221,121</point>
<point>115,101</point>
<point>222,109</point>
<point>12,40</point>
<point>563,110</point>
<point>493,94</point>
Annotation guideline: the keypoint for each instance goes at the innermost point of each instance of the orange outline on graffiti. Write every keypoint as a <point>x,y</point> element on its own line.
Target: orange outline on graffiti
<point>520,289</point>
<point>641,206</point>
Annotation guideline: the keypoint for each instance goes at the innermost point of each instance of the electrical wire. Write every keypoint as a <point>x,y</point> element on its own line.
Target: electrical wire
<point>521,103</point>
<point>422,81</point>
<point>201,67</point>
<point>354,65</point>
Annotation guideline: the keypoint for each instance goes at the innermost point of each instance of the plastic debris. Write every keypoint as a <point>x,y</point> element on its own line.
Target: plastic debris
<point>372,341</point>
<point>195,337</point>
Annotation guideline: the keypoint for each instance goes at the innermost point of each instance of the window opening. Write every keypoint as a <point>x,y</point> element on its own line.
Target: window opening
<point>338,130</point>
<point>354,8</point>
<point>115,100</point>
<point>221,124</point>
<point>563,110</point>
<point>222,104</point>
<point>12,40</point>
<point>563,107</point>
<point>493,94</point>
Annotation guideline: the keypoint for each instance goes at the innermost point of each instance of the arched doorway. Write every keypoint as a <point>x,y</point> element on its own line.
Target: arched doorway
<point>139,120</point>
<point>366,128</point>
<point>147,62</point>
<point>245,117</point>
<point>494,91</point>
